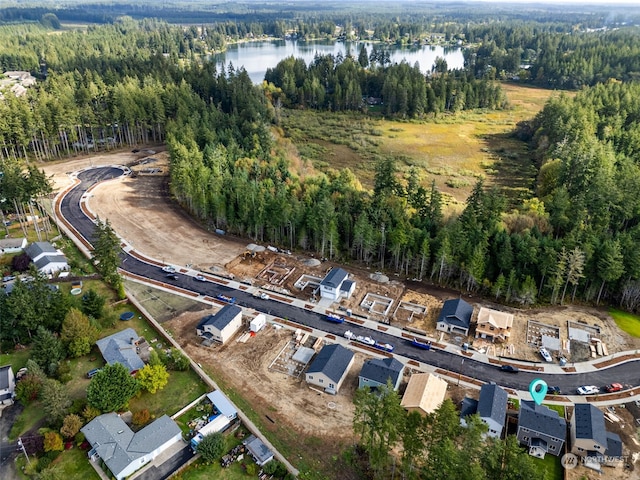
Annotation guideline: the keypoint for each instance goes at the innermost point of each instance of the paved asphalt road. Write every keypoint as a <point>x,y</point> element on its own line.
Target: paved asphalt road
<point>627,373</point>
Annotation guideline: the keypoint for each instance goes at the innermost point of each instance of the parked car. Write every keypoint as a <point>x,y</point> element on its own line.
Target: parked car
<point>553,391</point>
<point>171,276</point>
<point>545,354</point>
<point>509,369</point>
<point>613,387</point>
<point>169,269</point>
<point>200,278</point>
<point>588,390</point>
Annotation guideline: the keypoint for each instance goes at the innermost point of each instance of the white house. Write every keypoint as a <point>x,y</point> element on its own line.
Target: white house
<point>221,326</point>
<point>7,385</point>
<point>336,284</point>
<point>47,258</point>
<point>12,245</point>
<point>330,368</point>
<point>124,451</point>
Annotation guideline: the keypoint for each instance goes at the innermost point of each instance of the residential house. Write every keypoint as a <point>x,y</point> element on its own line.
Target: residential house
<point>47,259</point>
<point>455,317</point>
<point>378,371</point>
<point>330,367</point>
<point>12,245</point>
<point>491,407</point>
<point>258,450</point>
<point>122,450</point>
<point>425,392</point>
<point>221,326</point>
<point>494,325</point>
<point>122,347</point>
<point>336,284</point>
<point>7,385</point>
<point>588,431</point>
<point>541,429</point>
<point>16,82</point>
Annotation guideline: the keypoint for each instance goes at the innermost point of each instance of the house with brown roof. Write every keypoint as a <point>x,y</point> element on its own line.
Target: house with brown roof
<point>425,392</point>
<point>494,325</point>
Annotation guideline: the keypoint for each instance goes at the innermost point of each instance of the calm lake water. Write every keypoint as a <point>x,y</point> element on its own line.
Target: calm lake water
<point>257,57</point>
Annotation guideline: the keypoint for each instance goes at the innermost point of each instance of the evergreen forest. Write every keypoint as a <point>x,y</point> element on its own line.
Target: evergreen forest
<point>122,82</point>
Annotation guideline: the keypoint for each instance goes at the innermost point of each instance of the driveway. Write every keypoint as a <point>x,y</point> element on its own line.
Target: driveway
<point>168,467</point>
<point>8,450</point>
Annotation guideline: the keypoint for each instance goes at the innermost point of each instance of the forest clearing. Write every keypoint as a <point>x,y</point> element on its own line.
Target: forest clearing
<point>453,150</point>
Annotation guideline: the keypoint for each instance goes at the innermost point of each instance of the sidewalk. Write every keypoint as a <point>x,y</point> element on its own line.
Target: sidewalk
<point>542,367</point>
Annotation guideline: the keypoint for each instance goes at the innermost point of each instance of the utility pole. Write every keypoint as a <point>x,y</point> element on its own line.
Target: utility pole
<point>21,445</point>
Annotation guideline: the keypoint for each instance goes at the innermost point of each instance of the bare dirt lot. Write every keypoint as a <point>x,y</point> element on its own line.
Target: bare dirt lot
<point>141,211</point>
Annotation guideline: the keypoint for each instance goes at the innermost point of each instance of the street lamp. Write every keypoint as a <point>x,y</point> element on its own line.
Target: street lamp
<point>460,372</point>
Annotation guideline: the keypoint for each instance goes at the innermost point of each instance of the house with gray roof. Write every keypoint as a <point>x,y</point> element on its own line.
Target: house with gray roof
<point>47,258</point>
<point>378,371</point>
<point>330,367</point>
<point>455,317</point>
<point>258,450</point>
<point>7,385</point>
<point>124,451</point>
<point>122,347</point>
<point>541,429</point>
<point>331,285</point>
<point>12,245</point>
<point>491,406</point>
<point>221,326</point>
<point>587,430</point>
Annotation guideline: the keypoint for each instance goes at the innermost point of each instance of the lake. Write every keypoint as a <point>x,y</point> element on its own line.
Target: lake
<point>257,57</point>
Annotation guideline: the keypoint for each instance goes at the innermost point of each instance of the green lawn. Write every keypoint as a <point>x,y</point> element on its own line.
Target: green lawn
<point>74,464</point>
<point>557,408</point>
<point>551,467</point>
<point>183,388</point>
<point>17,359</point>
<point>201,471</point>
<point>28,419</point>
<point>628,322</point>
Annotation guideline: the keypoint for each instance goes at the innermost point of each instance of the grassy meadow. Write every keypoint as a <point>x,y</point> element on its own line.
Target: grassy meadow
<point>626,321</point>
<point>453,150</point>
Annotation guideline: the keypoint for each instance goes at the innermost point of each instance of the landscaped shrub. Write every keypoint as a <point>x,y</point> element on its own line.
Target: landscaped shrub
<point>89,413</point>
<point>251,469</point>
<point>53,442</point>
<point>141,417</point>
<point>28,388</point>
<point>79,438</point>
<point>71,425</point>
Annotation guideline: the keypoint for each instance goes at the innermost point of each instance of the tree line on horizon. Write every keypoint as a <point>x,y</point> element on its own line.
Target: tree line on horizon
<point>573,239</point>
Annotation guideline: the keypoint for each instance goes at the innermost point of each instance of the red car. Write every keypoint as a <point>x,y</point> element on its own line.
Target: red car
<point>614,387</point>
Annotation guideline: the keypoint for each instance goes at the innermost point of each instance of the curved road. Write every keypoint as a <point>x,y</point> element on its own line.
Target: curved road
<point>626,373</point>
